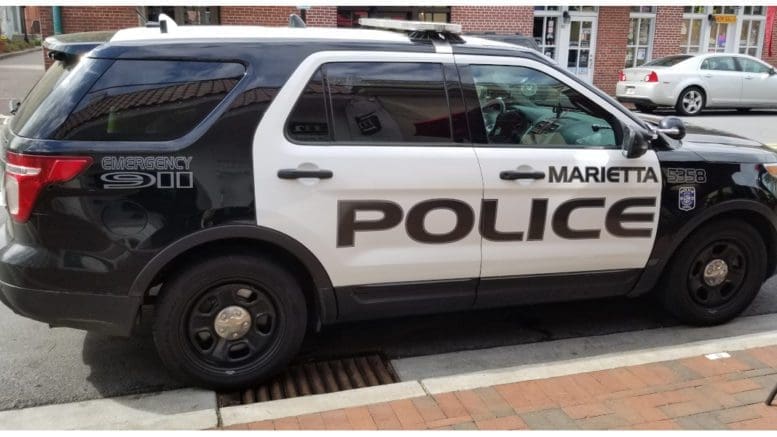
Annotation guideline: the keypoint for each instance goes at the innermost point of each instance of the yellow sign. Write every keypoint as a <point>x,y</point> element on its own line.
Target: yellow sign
<point>726,19</point>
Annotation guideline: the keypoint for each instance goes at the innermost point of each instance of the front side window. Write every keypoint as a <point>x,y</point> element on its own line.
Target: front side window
<point>144,100</point>
<point>752,66</point>
<point>719,63</point>
<point>523,107</point>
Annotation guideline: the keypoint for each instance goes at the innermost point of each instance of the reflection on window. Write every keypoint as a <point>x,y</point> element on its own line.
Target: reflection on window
<point>388,102</point>
<point>525,107</point>
<point>149,100</point>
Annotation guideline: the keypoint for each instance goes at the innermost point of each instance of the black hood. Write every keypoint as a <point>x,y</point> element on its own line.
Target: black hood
<point>715,145</point>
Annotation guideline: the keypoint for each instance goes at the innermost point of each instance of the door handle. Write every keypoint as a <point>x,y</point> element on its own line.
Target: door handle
<point>708,75</point>
<point>511,175</point>
<point>293,173</point>
<point>748,77</point>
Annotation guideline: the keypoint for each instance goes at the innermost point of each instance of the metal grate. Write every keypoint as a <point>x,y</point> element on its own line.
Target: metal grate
<point>317,377</point>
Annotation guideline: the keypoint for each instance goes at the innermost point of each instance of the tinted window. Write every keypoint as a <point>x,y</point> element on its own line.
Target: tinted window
<point>308,120</point>
<point>149,100</point>
<point>50,101</point>
<point>388,102</point>
<point>751,66</point>
<point>719,63</point>
<point>667,61</point>
<point>526,107</point>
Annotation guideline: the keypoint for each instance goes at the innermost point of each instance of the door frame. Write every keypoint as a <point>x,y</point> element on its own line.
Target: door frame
<point>564,35</point>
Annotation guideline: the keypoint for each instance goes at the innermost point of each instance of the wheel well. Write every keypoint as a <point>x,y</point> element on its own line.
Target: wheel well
<point>242,246</point>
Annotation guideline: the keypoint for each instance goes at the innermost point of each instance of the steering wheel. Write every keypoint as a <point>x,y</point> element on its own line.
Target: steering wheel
<point>491,112</point>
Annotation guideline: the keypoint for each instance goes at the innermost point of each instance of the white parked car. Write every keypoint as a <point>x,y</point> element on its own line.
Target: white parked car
<point>690,83</point>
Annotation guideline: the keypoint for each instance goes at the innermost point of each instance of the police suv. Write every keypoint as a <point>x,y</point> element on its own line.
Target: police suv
<point>253,184</point>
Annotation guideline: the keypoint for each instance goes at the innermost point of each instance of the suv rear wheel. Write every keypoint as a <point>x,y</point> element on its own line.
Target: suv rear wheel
<point>230,321</point>
<point>715,274</point>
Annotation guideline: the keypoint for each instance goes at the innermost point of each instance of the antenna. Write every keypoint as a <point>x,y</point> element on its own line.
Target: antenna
<point>166,23</point>
<point>296,21</point>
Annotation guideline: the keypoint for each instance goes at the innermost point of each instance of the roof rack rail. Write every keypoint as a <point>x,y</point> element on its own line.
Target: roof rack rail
<point>418,30</point>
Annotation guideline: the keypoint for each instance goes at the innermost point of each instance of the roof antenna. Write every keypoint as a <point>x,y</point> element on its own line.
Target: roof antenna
<point>166,23</point>
<point>296,21</point>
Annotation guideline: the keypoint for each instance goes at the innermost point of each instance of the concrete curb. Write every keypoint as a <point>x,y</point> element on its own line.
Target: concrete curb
<point>176,409</point>
<point>20,52</point>
<point>601,362</point>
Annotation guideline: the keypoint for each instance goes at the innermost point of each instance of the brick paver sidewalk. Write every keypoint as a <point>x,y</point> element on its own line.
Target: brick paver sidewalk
<point>694,393</point>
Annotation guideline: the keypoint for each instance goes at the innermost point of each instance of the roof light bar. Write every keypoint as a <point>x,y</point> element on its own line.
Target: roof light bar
<point>410,26</point>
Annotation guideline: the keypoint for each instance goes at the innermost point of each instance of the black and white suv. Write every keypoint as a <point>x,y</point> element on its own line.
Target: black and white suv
<point>255,183</point>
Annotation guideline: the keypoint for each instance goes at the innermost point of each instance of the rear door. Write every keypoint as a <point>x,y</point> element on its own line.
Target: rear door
<point>759,87</point>
<point>356,160</point>
<point>722,79</point>
<point>560,199</point>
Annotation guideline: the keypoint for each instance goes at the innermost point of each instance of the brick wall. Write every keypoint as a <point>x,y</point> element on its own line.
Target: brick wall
<point>257,15</point>
<point>499,19</point>
<point>89,18</point>
<point>322,16</point>
<point>667,38</point>
<point>765,52</point>
<point>611,39</point>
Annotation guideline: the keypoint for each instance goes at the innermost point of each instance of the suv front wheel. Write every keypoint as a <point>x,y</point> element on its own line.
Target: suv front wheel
<point>715,274</point>
<point>229,321</point>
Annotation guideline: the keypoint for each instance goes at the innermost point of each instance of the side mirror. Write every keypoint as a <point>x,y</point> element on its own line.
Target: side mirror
<point>772,72</point>
<point>672,127</point>
<point>13,105</point>
<point>634,143</point>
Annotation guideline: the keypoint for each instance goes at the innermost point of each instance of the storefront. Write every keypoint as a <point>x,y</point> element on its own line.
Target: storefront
<point>593,42</point>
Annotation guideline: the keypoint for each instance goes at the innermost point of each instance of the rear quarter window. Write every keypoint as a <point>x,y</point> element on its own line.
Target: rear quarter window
<point>149,100</point>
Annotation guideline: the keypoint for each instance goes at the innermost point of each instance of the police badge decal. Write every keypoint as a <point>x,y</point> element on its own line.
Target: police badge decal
<point>687,198</point>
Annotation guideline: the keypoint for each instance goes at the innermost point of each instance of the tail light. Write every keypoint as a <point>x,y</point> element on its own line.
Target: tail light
<point>651,77</point>
<point>622,76</point>
<point>27,175</point>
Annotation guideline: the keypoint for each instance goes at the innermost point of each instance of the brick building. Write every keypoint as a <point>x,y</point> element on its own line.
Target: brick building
<point>593,42</point>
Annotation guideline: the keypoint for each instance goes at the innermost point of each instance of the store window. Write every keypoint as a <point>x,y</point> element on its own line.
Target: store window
<point>185,14</point>
<point>723,29</point>
<point>583,8</point>
<point>439,17</point>
<point>751,32</point>
<point>545,31</point>
<point>640,39</point>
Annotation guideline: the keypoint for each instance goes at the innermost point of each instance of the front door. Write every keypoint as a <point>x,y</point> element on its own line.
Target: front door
<point>559,196</point>
<point>578,55</point>
<point>759,85</point>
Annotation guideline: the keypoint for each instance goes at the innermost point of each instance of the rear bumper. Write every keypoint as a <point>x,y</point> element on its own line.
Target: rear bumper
<point>114,315</point>
<point>653,94</point>
<point>637,100</point>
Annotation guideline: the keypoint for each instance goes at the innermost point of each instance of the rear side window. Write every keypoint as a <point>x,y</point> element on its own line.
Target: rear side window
<point>149,100</point>
<point>719,63</point>
<point>373,102</point>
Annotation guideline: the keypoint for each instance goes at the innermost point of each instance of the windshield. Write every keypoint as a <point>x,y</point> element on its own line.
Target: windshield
<point>54,96</point>
<point>667,61</point>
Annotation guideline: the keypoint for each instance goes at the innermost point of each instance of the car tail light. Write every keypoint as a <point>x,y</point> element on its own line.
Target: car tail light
<point>622,76</point>
<point>27,175</point>
<point>651,77</point>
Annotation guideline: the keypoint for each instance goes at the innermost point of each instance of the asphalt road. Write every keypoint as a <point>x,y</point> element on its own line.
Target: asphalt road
<point>40,366</point>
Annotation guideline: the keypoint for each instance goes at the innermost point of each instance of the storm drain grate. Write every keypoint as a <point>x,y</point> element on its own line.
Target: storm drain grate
<point>316,378</point>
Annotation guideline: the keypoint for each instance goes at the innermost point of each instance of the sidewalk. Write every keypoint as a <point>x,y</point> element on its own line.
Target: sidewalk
<point>692,393</point>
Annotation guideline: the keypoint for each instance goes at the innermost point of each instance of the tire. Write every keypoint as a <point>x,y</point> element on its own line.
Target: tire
<point>185,325</point>
<point>694,298</point>
<point>691,101</point>
<point>647,109</point>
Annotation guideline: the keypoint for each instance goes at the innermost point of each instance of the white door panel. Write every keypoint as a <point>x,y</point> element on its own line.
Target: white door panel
<point>547,248</point>
<point>307,209</point>
<point>553,253</point>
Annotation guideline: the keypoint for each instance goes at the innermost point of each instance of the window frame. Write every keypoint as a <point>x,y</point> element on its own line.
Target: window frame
<point>447,88</point>
<point>737,67</point>
<point>639,16</point>
<point>465,61</point>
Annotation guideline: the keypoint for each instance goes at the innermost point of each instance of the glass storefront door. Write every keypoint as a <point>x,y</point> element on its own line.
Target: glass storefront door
<point>578,55</point>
